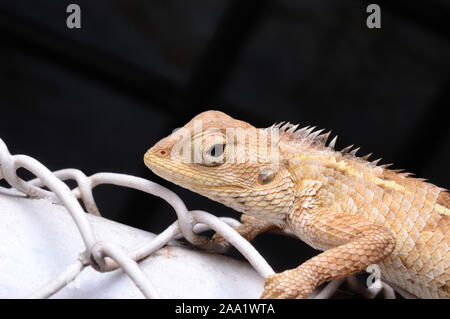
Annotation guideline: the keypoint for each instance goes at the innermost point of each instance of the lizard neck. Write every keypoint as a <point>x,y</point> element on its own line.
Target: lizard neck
<point>271,204</point>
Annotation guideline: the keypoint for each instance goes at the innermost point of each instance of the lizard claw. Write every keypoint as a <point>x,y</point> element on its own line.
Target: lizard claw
<point>217,238</point>
<point>218,244</point>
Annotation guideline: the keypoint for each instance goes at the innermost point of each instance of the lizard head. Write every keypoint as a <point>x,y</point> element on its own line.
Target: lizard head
<point>229,161</point>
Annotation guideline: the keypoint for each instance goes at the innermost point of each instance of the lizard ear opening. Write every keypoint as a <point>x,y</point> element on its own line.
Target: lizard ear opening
<point>266,176</point>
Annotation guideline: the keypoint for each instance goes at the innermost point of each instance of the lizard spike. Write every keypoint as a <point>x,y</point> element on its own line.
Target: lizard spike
<point>279,124</point>
<point>323,138</point>
<point>293,128</point>
<point>301,131</point>
<point>285,126</point>
<point>315,134</point>
<point>355,151</point>
<point>333,142</point>
<point>366,157</point>
<point>406,174</point>
<point>375,162</point>
<point>347,149</point>
<point>308,131</point>
<point>386,165</point>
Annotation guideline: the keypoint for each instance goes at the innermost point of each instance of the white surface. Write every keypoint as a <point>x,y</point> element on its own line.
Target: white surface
<point>38,240</point>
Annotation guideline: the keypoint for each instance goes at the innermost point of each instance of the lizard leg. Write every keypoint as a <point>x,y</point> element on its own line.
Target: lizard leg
<point>249,229</point>
<point>351,243</point>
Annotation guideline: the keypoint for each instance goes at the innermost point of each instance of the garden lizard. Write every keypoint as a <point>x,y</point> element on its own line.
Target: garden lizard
<point>357,212</point>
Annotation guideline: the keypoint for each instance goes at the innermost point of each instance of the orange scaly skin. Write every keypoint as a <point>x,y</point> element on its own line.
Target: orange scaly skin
<point>358,213</point>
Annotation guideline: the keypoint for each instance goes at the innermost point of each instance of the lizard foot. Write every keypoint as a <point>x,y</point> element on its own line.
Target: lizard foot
<point>249,229</point>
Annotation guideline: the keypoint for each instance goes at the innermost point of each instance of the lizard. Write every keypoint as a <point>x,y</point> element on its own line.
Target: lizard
<point>357,212</point>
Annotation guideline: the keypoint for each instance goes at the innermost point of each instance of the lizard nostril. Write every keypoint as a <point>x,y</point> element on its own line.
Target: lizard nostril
<point>162,152</point>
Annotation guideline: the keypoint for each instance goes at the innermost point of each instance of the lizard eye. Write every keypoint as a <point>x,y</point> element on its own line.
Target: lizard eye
<point>214,154</point>
<point>266,176</point>
<point>216,150</point>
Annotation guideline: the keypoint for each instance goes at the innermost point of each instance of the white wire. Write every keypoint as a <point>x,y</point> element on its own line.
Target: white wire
<point>129,266</point>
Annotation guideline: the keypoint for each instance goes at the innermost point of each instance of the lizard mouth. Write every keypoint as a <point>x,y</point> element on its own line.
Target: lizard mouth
<point>161,166</point>
<point>170,170</point>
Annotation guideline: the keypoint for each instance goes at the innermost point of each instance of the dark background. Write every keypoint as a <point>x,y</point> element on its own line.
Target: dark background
<point>98,97</point>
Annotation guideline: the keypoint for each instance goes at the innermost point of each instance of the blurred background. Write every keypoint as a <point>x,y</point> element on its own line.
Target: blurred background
<point>98,97</point>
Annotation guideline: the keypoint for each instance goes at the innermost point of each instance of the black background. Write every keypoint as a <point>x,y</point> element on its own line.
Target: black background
<point>98,97</point>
